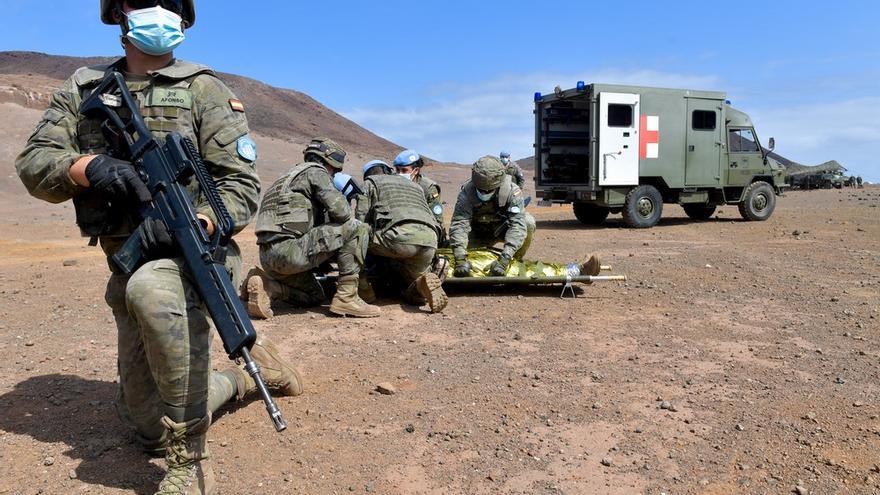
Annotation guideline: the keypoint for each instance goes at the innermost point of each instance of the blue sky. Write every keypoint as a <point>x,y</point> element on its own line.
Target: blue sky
<point>455,79</point>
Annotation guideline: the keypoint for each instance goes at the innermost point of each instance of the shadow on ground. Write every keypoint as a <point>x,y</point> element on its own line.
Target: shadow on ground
<point>80,414</point>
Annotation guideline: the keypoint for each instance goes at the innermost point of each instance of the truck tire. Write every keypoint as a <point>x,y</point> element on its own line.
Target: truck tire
<point>590,214</point>
<point>642,207</point>
<point>758,202</point>
<point>699,212</point>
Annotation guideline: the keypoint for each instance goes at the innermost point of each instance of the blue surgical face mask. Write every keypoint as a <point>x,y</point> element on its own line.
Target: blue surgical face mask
<point>154,31</point>
<point>406,176</point>
<point>485,196</point>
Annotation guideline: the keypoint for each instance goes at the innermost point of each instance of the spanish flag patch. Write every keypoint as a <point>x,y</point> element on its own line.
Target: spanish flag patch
<point>236,105</point>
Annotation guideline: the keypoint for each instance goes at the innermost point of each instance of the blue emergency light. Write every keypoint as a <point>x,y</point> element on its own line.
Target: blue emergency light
<point>581,86</point>
<point>727,101</point>
<point>538,96</point>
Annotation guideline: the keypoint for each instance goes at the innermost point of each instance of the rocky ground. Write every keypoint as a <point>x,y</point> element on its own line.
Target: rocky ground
<point>739,358</point>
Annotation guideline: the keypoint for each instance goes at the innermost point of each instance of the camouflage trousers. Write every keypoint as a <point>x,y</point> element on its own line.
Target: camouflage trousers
<point>292,261</point>
<point>408,260</point>
<point>164,339</point>
<point>476,241</point>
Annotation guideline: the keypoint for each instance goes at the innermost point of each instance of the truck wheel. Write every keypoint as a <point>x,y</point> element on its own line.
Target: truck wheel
<point>642,207</point>
<point>699,212</point>
<point>758,202</point>
<point>590,214</point>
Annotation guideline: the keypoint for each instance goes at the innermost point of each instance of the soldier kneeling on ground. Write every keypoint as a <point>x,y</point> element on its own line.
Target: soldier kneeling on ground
<point>404,234</point>
<point>489,210</point>
<point>303,223</point>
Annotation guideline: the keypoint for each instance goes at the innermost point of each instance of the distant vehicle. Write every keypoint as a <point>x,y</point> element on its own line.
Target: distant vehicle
<point>819,180</point>
<point>626,149</point>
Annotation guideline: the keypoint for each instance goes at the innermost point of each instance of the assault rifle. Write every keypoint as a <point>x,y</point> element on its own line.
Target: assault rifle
<point>166,168</point>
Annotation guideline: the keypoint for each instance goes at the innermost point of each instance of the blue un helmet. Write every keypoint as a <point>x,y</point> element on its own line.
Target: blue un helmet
<point>409,158</point>
<point>346,184</point>
<point>373,164</point>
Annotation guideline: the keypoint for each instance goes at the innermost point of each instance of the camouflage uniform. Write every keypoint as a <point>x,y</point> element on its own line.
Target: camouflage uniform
<point>304,222</point>
<point>404,233</point>
<point>164,336</point>
<point>432,196</point>
<point>503,218</point>
<point>403,228</point>
<point>516,174</point>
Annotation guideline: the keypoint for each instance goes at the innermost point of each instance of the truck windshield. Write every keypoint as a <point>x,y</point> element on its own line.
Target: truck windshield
<point>742,141</point>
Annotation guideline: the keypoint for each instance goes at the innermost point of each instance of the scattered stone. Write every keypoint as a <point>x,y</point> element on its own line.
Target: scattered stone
<point>48,461</point>
<point>410,428</point>
<point>29,344</point>
<point>386,388</point>
<point>800,490</point>
<point>739,427</point>
<point>71,474</point>
<point>665,404</point>
<point>607,461</point>
<point>369,487</point>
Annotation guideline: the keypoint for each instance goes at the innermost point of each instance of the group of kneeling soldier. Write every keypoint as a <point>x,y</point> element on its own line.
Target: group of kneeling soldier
<point>391,237</point>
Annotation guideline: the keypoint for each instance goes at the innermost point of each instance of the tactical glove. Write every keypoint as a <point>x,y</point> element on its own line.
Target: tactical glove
<point>499,266</point>
<point>462,268</point>
<point>156,241</point>
<point>116,178</point>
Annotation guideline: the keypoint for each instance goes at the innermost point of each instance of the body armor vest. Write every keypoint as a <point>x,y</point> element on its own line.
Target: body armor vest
<point>488,216</point>
<point>399,201</point>
<point>166,107</point>
<point>287,207</point>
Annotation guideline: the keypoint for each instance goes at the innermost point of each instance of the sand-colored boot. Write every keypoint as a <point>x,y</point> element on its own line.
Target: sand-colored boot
<point>430,288</point>
<point>189,471</point>
<point>346,302</point>
<point>440,267</point>
<point>592,266</point>
<point>278,375</point>
<point>260,289</point>
<point>365,289</point>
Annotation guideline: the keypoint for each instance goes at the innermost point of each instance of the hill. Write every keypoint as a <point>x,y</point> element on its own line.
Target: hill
<point>282,120</point>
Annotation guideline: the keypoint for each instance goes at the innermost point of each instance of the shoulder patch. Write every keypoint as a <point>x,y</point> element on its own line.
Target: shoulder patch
<point>514,209</point>
<point>437,209</point>
<point>247,148</point>
<point>236,105</point>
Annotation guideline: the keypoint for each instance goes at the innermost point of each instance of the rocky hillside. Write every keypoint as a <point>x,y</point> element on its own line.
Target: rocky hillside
<point>28,78</point>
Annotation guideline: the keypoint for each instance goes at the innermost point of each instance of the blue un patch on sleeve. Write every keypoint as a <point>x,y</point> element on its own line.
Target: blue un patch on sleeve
<point>247,148</point>
<point>437,209</point>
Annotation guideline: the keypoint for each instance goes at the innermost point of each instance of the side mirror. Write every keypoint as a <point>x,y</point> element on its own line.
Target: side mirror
<point>772,144</point>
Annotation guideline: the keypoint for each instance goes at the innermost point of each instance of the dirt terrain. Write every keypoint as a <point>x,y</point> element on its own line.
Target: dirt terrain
<point>760,337</point>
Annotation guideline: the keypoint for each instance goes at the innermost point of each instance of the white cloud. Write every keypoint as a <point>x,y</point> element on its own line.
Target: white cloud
<point>461,122</point>
<point>846,131</point>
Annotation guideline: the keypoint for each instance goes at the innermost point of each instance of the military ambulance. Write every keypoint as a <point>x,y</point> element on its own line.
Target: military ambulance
<point>625,149</point>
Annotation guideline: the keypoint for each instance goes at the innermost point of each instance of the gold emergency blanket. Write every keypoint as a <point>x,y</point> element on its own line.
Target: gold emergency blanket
<point>481,260</point>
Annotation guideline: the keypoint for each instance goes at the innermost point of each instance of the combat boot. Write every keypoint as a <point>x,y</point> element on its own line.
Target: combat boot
<point>592,266</point>
<point>365,289</point>
<point>440,267</point>
<point>259,292</point>
<point>430,288</point>
<point>189,471</point>
<point>346,302</point>
<point>277,374</point>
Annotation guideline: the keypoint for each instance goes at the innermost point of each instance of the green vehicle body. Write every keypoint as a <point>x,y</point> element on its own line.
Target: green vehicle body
<point>690,147</point>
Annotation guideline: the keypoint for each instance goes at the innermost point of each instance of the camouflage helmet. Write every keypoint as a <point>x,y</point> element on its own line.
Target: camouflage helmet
<point>488,173</point>
<point>326,150</point>
<point>186,9</point>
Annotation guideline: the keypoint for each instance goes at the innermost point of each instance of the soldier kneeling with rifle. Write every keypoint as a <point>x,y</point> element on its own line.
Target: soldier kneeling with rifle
<point>162,193</point>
